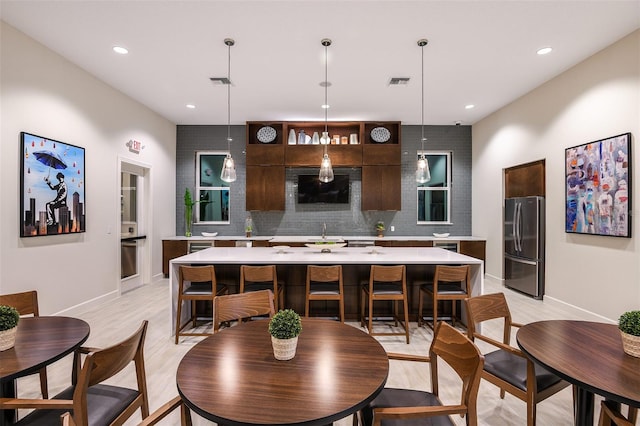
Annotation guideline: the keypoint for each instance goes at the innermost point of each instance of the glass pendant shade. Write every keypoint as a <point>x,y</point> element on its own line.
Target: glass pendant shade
<point>423,175</point>
<point>228,173</point>
<point>326,172</point>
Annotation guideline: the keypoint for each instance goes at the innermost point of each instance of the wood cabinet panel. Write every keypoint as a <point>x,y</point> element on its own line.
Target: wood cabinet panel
<point>381,155</point>
<point>475,249</point>
<point>381,188</point>
<point>265,155</point>
<point>170,250</point>
<point>525,180</point>
<point>404,243</point>
<point>265,188</point>
<point>310,155</point>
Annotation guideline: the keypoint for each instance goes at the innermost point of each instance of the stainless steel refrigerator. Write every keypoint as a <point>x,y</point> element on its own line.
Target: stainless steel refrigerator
<point>524,245</point>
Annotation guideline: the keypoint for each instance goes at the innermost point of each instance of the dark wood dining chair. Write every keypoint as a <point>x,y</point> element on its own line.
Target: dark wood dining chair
<point>255,278</point>
<point>419,408</point>
<point>92,402</point>
<point>450,283</point>
<point>324,283</point>
<point>26,303</point>
<point>203,285</point>
<point>154,418</point>
<point>385,283</point>
<point>242,306</point>
<point>610,414</point>
<point>507,367</point>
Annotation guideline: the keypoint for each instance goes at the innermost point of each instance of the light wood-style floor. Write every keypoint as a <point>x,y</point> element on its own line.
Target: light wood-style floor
<point>115,320</point>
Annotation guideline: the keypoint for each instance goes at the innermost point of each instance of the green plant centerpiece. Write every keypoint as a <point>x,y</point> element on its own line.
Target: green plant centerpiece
<point>9,318</point>
<point>380,228</point>
<point>629,325</point>
<point>285,327</point>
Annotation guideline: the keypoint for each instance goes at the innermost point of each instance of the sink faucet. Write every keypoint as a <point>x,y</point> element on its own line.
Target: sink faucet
<point>324,230</point>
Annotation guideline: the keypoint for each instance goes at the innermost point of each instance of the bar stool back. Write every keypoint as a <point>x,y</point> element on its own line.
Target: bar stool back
<point>324,283</point>
<point>449,283</point>
<point>385,283</point>
<point>203,286</point>
<point>253,278</point>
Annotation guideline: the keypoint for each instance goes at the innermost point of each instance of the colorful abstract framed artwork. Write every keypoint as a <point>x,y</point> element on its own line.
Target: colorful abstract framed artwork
<point>598,187</point>
<point>52,187</point>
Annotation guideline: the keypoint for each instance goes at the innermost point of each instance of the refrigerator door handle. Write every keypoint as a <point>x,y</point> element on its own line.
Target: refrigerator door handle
<point>520,260</point>
<point>514,222</point>
<point>518,219</point>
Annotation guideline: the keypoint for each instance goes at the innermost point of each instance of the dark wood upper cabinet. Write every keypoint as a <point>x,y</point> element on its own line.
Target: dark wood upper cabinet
<point>525,180</point>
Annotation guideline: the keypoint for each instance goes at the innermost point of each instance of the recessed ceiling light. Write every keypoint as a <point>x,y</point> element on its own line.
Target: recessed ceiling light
<point>469,106</point>
<point>190,106</point>
<point>325,106</point>
<point>544,51</point>
<point>121,50</point>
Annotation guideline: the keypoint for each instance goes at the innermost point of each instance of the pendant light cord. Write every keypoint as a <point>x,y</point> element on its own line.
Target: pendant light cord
<point>326,86</point>
<point>229,42</point>
<point>422,43</point>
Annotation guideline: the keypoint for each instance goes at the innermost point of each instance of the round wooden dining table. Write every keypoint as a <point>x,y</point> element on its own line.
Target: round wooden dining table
<point>40,341</point>
<point>588,355</point>
<point>232,377</point>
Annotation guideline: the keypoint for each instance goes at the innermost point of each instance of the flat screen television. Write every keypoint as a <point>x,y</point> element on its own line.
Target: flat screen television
<point>312,191</point>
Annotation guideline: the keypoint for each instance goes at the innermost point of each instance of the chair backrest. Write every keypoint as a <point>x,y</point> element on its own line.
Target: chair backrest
<point>258,274</point>
<point>242,305</point>
<point>452,274</point>
<point>384,273</point>
<point>26,303</point>
<point>324,274</point>
<point>464,357</point>
<point>103,364</point>
<point>488,307</point>
<point>197,274</point>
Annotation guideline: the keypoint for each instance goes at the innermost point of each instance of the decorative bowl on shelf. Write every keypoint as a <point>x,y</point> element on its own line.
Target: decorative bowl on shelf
<point>209,234</point>
<point>266,134</point>
<point>441,235</point>
<point>380,134</point>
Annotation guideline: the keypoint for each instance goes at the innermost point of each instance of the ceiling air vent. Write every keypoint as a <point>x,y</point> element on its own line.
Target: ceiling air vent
<point>398,81</point>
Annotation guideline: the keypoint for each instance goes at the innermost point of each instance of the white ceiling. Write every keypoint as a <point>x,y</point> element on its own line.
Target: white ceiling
<point>480,52</point>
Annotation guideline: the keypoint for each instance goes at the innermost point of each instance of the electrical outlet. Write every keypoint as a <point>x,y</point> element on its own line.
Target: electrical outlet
<point>393,228</point>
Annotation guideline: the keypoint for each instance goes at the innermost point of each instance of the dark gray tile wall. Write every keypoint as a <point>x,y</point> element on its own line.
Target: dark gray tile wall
<point>299,219</point>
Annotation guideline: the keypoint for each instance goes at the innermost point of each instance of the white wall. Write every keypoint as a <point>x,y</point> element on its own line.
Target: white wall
<point>595,99</point>
<point>44,94</point>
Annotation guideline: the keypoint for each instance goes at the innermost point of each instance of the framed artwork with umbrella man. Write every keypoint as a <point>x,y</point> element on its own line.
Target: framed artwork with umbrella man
<point>52,187</point>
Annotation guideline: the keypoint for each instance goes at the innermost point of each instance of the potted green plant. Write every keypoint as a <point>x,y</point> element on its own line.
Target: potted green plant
<point>9,317</point>
<point>285,327</point>
<point>380,228</point>
<point>629,325</point>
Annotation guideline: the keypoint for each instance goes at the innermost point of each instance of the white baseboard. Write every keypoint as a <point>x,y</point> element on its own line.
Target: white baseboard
<point>89,304</point>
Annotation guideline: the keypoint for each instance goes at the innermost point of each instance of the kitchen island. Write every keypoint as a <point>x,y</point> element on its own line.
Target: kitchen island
<point>291,265</point>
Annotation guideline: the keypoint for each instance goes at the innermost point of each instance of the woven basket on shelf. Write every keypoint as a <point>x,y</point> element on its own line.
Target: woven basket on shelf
<point>284,349</point>
<point>8,338</point>
<point>631,344</point>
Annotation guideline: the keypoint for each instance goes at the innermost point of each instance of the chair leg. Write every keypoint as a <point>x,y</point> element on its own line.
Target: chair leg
<point>362,308</point>
<point>370,313</point>
<point>420,306</point>
<point>341,306</point>
<point>193,313</point>
<point>306,305</point>
<point>43,383</point>
<point>406,317</point>
<point>435,312</point>
<point>178,314</point>
<point>454,304</point>
<point>531,411</point>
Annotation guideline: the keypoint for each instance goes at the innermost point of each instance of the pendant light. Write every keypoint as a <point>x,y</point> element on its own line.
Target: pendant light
<point>423,175</point>
<point>228,173</point>
<point>326,171</point>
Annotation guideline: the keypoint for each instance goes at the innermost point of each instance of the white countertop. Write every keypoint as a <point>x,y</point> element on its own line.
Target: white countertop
<point>313,238</point>
<point>344,255</point>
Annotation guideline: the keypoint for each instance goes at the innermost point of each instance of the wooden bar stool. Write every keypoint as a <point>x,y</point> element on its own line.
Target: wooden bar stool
<point>449,283</point>
<point>385,283</point>
<point>203,286</point>
<point>324,283</point>
<point>253,278</point>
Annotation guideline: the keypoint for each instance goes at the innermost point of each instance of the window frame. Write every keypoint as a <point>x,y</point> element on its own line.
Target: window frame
<point>199,187</point>
<point>446,189</point>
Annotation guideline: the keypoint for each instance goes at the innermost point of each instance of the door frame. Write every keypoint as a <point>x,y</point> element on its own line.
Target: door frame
<point>145,217</point>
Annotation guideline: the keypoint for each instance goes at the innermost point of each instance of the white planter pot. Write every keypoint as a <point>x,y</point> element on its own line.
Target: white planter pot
<point>8,338</point>
<point>284,349</point>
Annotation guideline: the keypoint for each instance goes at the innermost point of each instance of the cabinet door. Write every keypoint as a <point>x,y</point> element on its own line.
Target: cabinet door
<point>170,250</point>
<point>265,188</point>
<point>381,188</point>
<point>475,249</point>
